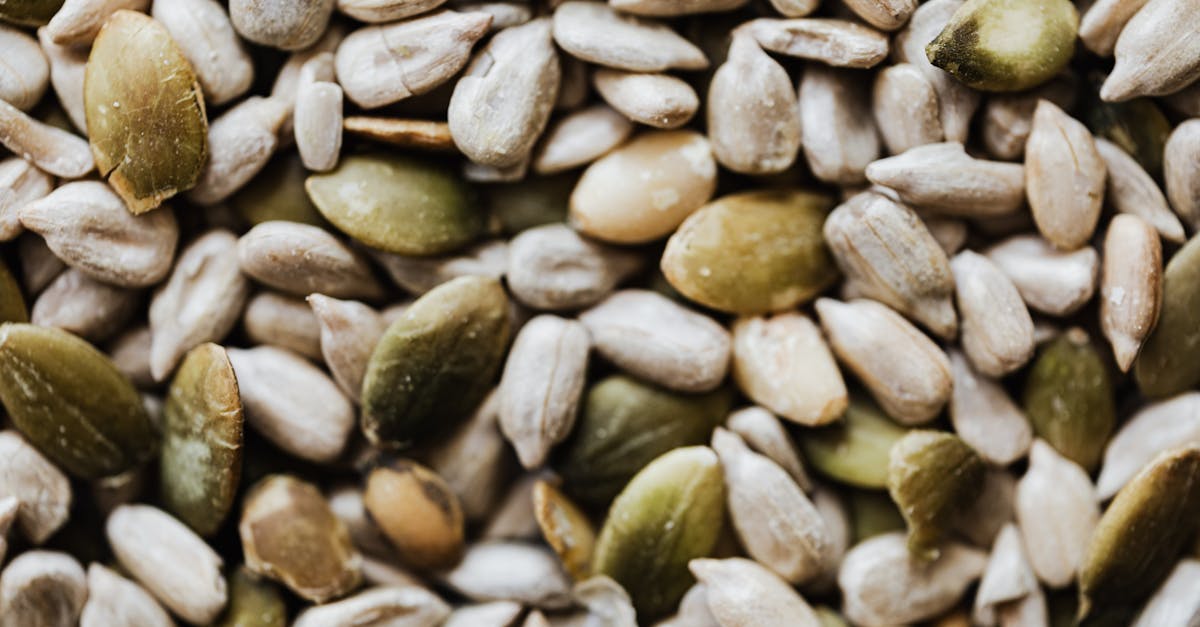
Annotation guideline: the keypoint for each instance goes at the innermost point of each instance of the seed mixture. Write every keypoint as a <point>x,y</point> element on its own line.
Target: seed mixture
<point>671,313</point>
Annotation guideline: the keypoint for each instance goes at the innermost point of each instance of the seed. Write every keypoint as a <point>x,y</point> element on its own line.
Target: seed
<point>377,11</point>
<point>277,193</point>
<point>284,24</point>
<point>741,593</point>
<point>579,138</point>
<point>1163,366</point>
<point>766,435</point>
<point>652,337</point>
<point>933,477</point>
<point>20,183</point>
<point>606,601</point>
<point>886,15</point>
<point>997,332</point>
<point>752,252</point>
<point>982,522</point>
<point>643,190</point>
<point>12,303</point>
<point>253,602</point>
<point>1141,533</point>
<point>1103,22</point>
<point>42,588</point>
<point>1008,118</point>
<point>669,514</point>
<point>205,36</point>
<point>417,512</point>
<point>784,364</point>
<point>905,105</point>
<point>838,130</point>
<point>400,604</point>
<point>490,613</point>
<point>397,204</point>
<point>1049,280</point>
<point>1069,398</point>
<point>418,275</point>
<point>856,450</point>
<point>84,307</point>
<point>434,364</point>
<point>752,111</point>
<point>1131,289</point>
<point>1057,511</point>
<point>658,100</point>
<point>417,134</point>
<point>1180,172</point>
<point>43,492</point>
<point>526,573</point>
<point>282,513</point>
<point>944,179</point>
<point>566,529</point>
<point>283,321</point>
<point>1064,177</point>
<point>1132,191</point>
<point>554,268</point>
<point>594,32</point>
<point>171,561</point>
<point>318,116</point>
<point>240,141</point>
<point>26,72</point>
<point>301,259</point>
<point>605,452</point>
<point>114,600</point>
<point>1138,126</point>
<point>130,353</point>
<point>840,43</point>
<point>54,150</point>
<point>1177,599</point>
<point>71,403</point>
<point>39,265</point>
<point>984,415</point>
<point>1154,56</point>
<point>474,461</point>
<point>138,78</point>
<point>348,333</point>
<point>1006,45</point>
<point>956,102</point>
<point>30,12</point>
<point>1009,580</point>
<point>1159,427</point>
<point>667,8</point>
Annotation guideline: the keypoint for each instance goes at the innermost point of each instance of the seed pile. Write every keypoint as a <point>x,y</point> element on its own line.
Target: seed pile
<point>682,313</point>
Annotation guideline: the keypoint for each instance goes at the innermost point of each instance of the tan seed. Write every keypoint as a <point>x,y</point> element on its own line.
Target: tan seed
<point>594,32</point>
<point>554,268</point>
<point>1103,22</point>
<point>944,179</point>
<point>997,332</point>
<point>883,14</point>
<point>20,183</point>
<point>67,68</point>
<point>752,111</point>
<point>284,321</point>
<point>905,105</point>
<point>567,530</point>
<point>1182,177</point>
<point>84,306</point>
<point>766,435</point>
<point>783,363</point>
<point>840,43</point>
<point>54,150</point>
<point>838,131</point>
<point>115,600</point>
<point>240,142</point>
<point>284,24</point>
<point>379,11</point>
<point>318,116</point>
<point>1154,54</point>
<point>1064,177</point>
<point>1049,280</point>
<point>348,333</point>
<point>985,416</point>
<point>395,605</point>
<point>43,588</point>
<point>43,492</point>
<point>206,38</point>
<point>1131,286</point>
<point>1177,599</point>
<point>497,571</point>
<point>1156,428</point>
<point>301,259</point>
<point>416,134</point>
<point>658,100</point>
<point>956,101</point>
<point>26,71</point>
<point>1057,511</point>
<point>78,22</point>
<point>579,138</point>
<point>1009,579</point>
<point>1132,191</point>
<point>742,593</point>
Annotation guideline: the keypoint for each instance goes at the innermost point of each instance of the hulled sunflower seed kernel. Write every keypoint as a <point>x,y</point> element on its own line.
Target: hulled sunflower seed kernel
<point>403,604</point>
<point>1007,118</point>
<point>1180,172</point>
<point>516,571</point>
<point>1132,191</point>
<point>753,120</point>
<point>301,259</point>
<point>283,24</point>
<point>579,138</point>
<point>1103,22</point>
<point>78,22</point>
<point>283,321</point>
<point>667,8</point>
<point>42,491</point>
<point>985,416</point>
<point>741,592</point>
<point>1007,583</point>
<point>1056,511</point>
<point>836,126</point>
<point>887,15</point>
<point>1157,428</point>
<point>594,32</point>
<point>1051,281</point>
<point>79,304</point>
<point>20,183</point>
<point>956,102</point>
<point>905,105</point>
<point>764,433</point>
<point>658,100</point>
<point>1064,177</point>
<point>840,43</point>
<point>26,71</point>
<point>1131,288</point>
<point>417,512</point>
<point>944,179</point>
<point>1177,599</point>
<point>488,613</point>
<point>997,332</point>
<point>54,150</point>
<point>554,268</point>
<point>205,36</point>
<point>240,142</point>
<point>1154,56</point>
<point>42,588</point>
<point>418,275</point>
<point>473,460</point>
<point>115,600</point>
<point>933,477</point>
<point>349,331</point>
<point>317,116</point>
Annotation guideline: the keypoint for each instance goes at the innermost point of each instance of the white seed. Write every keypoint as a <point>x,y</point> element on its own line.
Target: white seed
<point>1008,118</point>
<point>658,100</point>
<point>985,416</point>
<point>313,421</point>
<point>841,43</point>
<point>349,332</point>
<point>284,24</point>
<point>25,73</point>
<point>1057,511</point>
<point>883,14</point>
<point>511,571</point>
<point>170,560</point>
<point>284,88</point>
<point>84,306</point>
<point>207,40</point>
<point>950,233</point>
<point>767,436</point>
<point>1064,177</point>
<point>1008,579</point>
<point>88,227</point>
<point>78,21</point>
<point>1049,280</point>
<point>905,106</point>
<point>838,130</point>
<point>302,259</point>
<point>240,143</point>
<point>944,179</point>
<point>1131,286</point>
<point>54,150</point>
<point>283,321</point>
<point>379,11</point>
<point>1156,53</point>
<point>656,339</point>
<point>67,66</point>
<point>42,588</point>
<point>594,32</point>
<point>553,268</point>
<point>115,600</point>
<point>753,122</point>
<point>42,490</point>
<point>1181,171</point>
<point>997,331</point>
<point>482,173</point>
<point>1177,601</point>
<point>1158,427</point>
<point>783,363</point>
<point>580,138</point>
<point>398,606</point>
<point>902,368</point>
<point>504,14</point>
<point>513,518</point>
<point>20,183</point>
<point>1102,23</point>
<point>741,593</point>
<point>317,118</point>
<point>1132,190</point>
<point>493,614</point>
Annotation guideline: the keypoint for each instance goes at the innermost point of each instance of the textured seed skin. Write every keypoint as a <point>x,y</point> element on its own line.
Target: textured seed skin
<point>125,94</point>
<point>42,588</point>
<point>1069,398</point>
<point>435,364</point>
<point>669,514</point>
<point>201,459</point>
<point>933,477</point>
<point>1064,177</point>
<point>856,450</point>
<point>783,363</point>
<point>1131,288</point>
<point>398,204</point>
<point>752,252</point>
<point>1142,532</point>
<point>72,403</point>
<point>1167,363</point>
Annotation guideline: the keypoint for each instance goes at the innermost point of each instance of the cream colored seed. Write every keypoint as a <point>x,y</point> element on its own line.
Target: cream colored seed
<point>67,67</point>
<point>767,436</point>
<point>43,492</point>
<point>1057,511</point>
<point>301,259</point>
<point>25,73</point>
<point>985,416</point>
<point>409,604</point>
<point>1158,427</point>
<point>130,353</point>
<point>1064,177</point>
<point>883,14</point>
<point>1008,580</point>
<point>1049,280</point>
<point>838,131</point>
<point>665,8</point>
<point>554,268</point>
<point>905,106</point>
<point>1131,286</point>
<point>1132,191</point>
<point>594,32</point>
<point>742,593</point>
<point>317,118</point>
<point>284,24</point>
<point>1181,173</point>
<point>240,142</point>
<point>956,102</point>
<point>472,461</point>
<point>114,600</point>
<point>579,138</point>
<point>490,613</point>
<point>284,321</point>
<point>42,588</point>
<point>206,37</point>
<point>606,602</point>
<point>944,179</point>
<point>529,574</point>
<point>1177,600</point>
<point>78,21</point>
<point>657,100</point>
<point>1102,23</point>
<point>20,183</point>
<point>752,116</point>
<point>54,150</point>
<point>380,11</point>
<point>997,331</point>
<point>348,333</point>
<point>841,43</point>
<point>1156,53</point>
<point>418,275</point>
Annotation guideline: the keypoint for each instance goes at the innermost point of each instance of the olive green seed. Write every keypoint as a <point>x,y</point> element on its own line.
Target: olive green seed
<point>1069,398</point>
<point>253,602</point>
<point>12,303</point>
<point>933,477</point>
<point>1168,363</point>
<point>856,450</point>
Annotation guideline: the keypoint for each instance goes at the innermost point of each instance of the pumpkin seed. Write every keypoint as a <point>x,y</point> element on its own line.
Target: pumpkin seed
<point>1166,364</point>
<point>253,602</point>
<point>1069,398</point>
<point>417,511</point>
<point>933,477</point>
<point>856,450</point>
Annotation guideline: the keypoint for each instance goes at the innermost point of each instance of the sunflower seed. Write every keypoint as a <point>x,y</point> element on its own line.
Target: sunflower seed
<point>1008,118</point>
<point>78,22</point>
<point>115,600</point>
<point>39,265</point>
<point>348,331</point>
<point>401,606</point>
<point>240,143</point>
<point>1056,510</point>
<point>985,417</point>
<point>580,138</point>
<point>1008,580</point>
<point>1131,288</point>
<point>753,120</point>
<point>54,150</point>
<point>1132,191</point>
<point>1064,177</point>
<point>956,102</point>
<point>301,259</point>
<point>1154,55</point>
<point>742,593</point>
<point>944,179</point>
<point>205,35</point>
<point>838,130</point>
<point>905,106</point>
<point>43,492</point>
<point>379,11</point>
<point>284,87</point>
<point>88,308</point>
<point>766,435</point>
<point>596,33</point>
<point>657,100</point>
<point>607,603</point>
<point>1181,173</point>
<point>491,614</point>
<point>417,512</point>
<point>840,43</point>
<point>668,8</point>
<point>284,24</point>
<point>1103,22</point>
<point>993,508</point>
<point>20,183</point>
<point>42,588</point>
<point>1158,427</point>
<point>510,571</point>
<point>283,321</point>
<point>1177,601</point>
<point>26,71</point>
<point>1049,280</point>
<point>1164,366</point>
<point>318,116</point>
<point>67,68</point>
<point>997,332</point>
<point>554,268</point>
<point>473,461</point>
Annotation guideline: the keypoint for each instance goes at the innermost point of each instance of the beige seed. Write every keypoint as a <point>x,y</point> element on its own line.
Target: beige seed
<point>302,259</point>
<point>541,386</point>
<point>1102,23</point>
<point>78,21</point>
<point>513,571</point>
<point>54,150</point>
<point>207,39</point>
<point>956,101</point>
<point>656,339</point>
<point>392,605</point>
<point>741,593</point>
<point>20,183</point>
<point>170,560</point>
<point>1131,286</point>
<point>67,68</point>
<point>42,490</point>
<point>1155,53</point>
<point>905,105</point>
<point>493,614</point>
<point>764,433</point>
<point>594,32</point>
<point>985,416</point>
<point>579,138</point>
<point>89,228</point>
<point>693,610</point>
<point>1049,280</point>
<point>317,117</point>
<point>199,303</point>
<point>841,43</point>
<point>883,14</point>
<point>839,135</point>
<point>887,254</point>
<point>240,143</point>
<point>25,73</point>
<point>1056,510</point>
<point>1154,429</point>
<point>480,173</point>
<point>379,11</point>
<point>313,421</point>
<point>944,179</point>
<point>606,601</point>
<point>658,100</point>
<point>1131,190</point>
<point>348,333</point>
<point>284,24</point>
<point>130,353</point>
<point>284,321</point>
<point>1181,173</point>
<point>782,362</point>
<point>435,47</point>
<point>950,233</point>
<point>84,306</point>
<point>667,8</point>
<point>288,78</point>
<point>1064,177</point>
<point>39,264</point>
<point>1008,117</point>
<point>752,111</point>
<point>42,588</point>
<point>1008,579</point>
<point>115,600</point>
<point>997,331</point>
<point>502,103</point>
<point>473,460</point>
<point>1177,601</point>
<point>902,368</point>
<point>504,14</point>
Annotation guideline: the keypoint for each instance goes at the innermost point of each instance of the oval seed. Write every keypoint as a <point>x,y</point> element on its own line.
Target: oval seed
<point>1131,289</point>
<point>658,100</point>
<point>114,600</point>
<point>25,73</point>
<point>84,306</point>
<point>514,571</point>
<point>348,333</point>
<point>301,259</point>
<point>283,24</point>
<point>417,512</point>
<point>206,37</point>
<point>1064,177</point>
<point>856,450</point>
<point>1156,428</point>
<point>596,33</point>
<point>997,332</point>
<point>933,477</point>
<point>1056,509</point>
<point>253,602</point>
<point>283,321</point>
<point>393,604</point>
<point>735,585</point>
<point>752,111</point>
<point>43,492</point>
<point>554,268</point>
<point>1165,365</point>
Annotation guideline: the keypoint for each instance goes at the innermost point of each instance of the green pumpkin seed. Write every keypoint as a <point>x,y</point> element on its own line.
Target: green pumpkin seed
<point>829,617</point>
<point>1142,533</point>
<point>29,12</point>
<point>754,252</point>
<point>72,403</point>
<point>1069,398</point>
<point>145,112</point>
<point>536,201</point>
<point>856,450</point>
<point>1006,45</point>
<point>399,204</point>
<point>277,193</point>
<point>12,303</point>
<point>435,364</point>
<point>202,440</point>
<point>1138,126</point>
<point>668,515</point>
<point>1168,363</point>
<point>253,602</point>
<point>873,513</point>
<point>933,477</point>
<point>625,424</point>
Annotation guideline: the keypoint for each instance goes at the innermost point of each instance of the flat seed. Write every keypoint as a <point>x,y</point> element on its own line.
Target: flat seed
<point>42,588</point>
<point>1131,288</point>
<point>944,179</point>
<point>283,321</point>
<point>399,605</point>
<point>643,190</point>
<point>301,259</point>
<point>669,514</point>
<point>397,204</point>
<point>1064,177</point>
<point>26,71</point>
<point>1177,600</point>
<point>933,477</point>
<point>605,450</point>
<point>435,47</point>
<point>1069,398</point>
<point>284,24</point>
<point>1142,531</point>
<point>201,459</point>
<point>170,560</point>
<point>1049,280</point>
<point>20,183</point>
<point>282,513</point>
<point>417,134</point>
<point>513,518</point>
<point>54,150</point>
<point>43,492</point>
<point>840,43</point>
<point>205,36</point>
<point>905,105</point>
<point>838,130</point>
<point>348,333</point>
<point>1103,22</point>
<point>115,600</point>
<point>277,193</point>
<point>766,435</point>
<point>71,403</point>
<point>742,593</point>
<point>579,138</point>
<point>84,306</point>
<point>499,571</point>
<point>783,363</point>
<point>1164,366</point>
<point>125,93</point>
<point>1180,172</point>
<point>30,12</point>
<point>752,111</point>
<point>434,365</point>
<point>1156,428</point>
<point>377,11</point>
<point>984,415</point>
<point>653,337</point>
<point>997,332</point>
<point>78,22</point>
<point>253,602</point>
<point>199,303</point>
<point>312,422</point>
<point>1132,191</point>
<point>417,512</point>
<point>1154,56</point>
<point>554,268</point>
<point>1056,510</point>
<point>657,100</point>
<point>856,450</point>
<point>1008,580</point>
<point>595,33</point>
<point>566,529</point>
